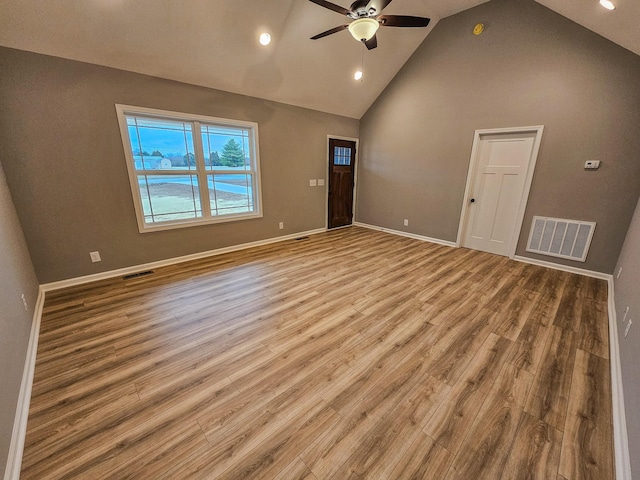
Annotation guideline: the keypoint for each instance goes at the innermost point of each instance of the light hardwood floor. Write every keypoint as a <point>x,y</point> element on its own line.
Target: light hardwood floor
<point>351,354</point>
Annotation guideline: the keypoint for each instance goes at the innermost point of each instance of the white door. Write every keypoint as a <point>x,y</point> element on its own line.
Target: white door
<point>497,189</point>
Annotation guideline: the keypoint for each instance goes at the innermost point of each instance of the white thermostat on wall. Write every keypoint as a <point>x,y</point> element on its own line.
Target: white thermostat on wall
<point>592,164</point>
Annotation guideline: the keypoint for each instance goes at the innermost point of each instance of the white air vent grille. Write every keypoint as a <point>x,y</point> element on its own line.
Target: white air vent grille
<point>560,238</point>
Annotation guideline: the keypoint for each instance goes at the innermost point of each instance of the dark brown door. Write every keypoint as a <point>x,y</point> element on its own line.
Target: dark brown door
<point>342,164</point>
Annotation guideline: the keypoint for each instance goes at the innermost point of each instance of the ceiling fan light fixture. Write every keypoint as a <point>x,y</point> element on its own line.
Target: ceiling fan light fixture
<point>363,29</point>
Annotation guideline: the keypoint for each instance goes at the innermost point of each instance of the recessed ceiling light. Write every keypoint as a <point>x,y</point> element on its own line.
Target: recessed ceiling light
<point>358,75</point>
<point>607,4</point>
<point>265,39</point>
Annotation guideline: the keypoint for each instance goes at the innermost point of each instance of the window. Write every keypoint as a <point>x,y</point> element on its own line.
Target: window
<point>341,156</point>
<point>189,169</point>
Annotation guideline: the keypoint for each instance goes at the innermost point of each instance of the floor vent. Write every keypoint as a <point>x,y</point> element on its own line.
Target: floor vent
<point>562,238</point>
<point>302,238</point>
<point>136,275</point>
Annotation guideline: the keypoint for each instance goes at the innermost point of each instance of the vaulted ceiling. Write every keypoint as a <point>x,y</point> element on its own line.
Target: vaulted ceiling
<point>214,43</point>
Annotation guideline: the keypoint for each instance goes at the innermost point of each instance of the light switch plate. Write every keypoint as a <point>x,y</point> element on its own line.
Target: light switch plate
<point>321,182</point>
<point>312,183</point>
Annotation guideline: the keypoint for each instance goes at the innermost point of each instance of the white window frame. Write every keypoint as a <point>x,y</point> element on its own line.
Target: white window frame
<point>200,172</point>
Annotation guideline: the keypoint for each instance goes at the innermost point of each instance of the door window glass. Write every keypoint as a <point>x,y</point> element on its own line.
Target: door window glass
<point>341,156</point>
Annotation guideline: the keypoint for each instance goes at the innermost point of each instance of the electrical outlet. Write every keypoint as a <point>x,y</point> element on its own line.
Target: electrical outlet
<point>95,257</point>
<point>592,164</point>
<point>281,225</point>
<point>626,330</point>
<point>619,272</point>
<point>24,302</point>
<point>406,222</point>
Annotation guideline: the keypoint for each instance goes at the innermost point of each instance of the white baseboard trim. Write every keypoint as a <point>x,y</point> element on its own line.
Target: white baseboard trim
<point>564,268</point>
<point>72,282</point>
<point>406,234</point>
<point>620,438</point>
<point>16,448</point>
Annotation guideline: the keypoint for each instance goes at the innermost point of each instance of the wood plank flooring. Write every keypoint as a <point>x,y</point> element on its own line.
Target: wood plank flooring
<point>351,354</point>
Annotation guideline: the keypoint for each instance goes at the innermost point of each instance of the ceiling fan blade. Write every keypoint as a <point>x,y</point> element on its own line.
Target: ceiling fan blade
<point>332,6</point>
<point>377,5</point>
<point>330,32</point>
<point>371,43</point>
<point>402,21</point>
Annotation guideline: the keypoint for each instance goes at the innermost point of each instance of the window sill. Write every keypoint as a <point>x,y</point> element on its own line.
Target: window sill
<point>162,226</point>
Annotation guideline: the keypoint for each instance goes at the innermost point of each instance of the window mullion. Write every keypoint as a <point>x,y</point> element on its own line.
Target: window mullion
<point>201,170</point>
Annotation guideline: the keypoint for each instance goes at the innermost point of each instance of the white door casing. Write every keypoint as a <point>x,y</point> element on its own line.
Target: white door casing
<point>498,183</point>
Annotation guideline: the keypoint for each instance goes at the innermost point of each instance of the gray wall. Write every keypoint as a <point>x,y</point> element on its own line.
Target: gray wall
<point>627,294</point>
<point>530,67</point>
<point>17,277</point>
<point>67,173</point>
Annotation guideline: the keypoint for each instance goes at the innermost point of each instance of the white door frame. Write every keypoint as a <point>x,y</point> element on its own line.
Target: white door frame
<point>473,164</point>
<point>326,174</point>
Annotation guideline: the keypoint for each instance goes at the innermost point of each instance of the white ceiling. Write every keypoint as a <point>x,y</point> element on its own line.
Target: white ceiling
<point>213,43</point>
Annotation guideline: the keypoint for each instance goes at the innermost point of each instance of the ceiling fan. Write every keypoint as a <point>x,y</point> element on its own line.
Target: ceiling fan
<point>367,18</point>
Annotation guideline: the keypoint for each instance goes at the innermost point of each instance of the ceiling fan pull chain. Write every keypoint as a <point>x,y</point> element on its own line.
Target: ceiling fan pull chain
<point>362,62</point>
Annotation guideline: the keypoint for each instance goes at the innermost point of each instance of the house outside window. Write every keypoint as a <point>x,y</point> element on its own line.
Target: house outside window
<point>187,170</point>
